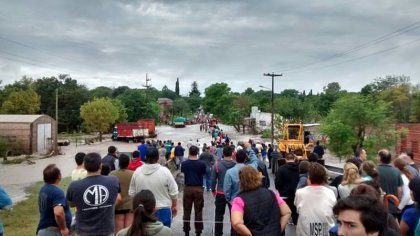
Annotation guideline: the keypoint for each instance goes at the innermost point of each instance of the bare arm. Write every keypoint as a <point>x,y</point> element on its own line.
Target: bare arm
<point>285,214</point>
<point>60,219</point>
<point>399,192</point>
<point>174,208</point>
<point>118,200</point>
<point>237,220</point>
<point>404,228</point>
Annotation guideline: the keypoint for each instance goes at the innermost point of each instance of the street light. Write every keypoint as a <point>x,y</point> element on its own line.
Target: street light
<point>272,75</point>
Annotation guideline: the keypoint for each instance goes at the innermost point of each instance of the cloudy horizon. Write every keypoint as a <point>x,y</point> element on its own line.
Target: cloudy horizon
<point>115,43</point>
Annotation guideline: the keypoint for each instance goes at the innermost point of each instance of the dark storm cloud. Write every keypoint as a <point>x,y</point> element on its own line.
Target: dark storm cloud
<point>115,43</point>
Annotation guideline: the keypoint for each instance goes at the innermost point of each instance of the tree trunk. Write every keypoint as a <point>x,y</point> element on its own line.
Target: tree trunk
<point>100,136</point>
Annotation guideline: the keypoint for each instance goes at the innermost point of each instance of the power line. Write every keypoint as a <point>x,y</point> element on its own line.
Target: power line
<point>31,61</point>
<point>368,44</point>
<point>356,58</point>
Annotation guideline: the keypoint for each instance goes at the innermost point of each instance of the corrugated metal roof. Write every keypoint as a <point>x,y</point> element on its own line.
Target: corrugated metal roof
<point>19,118</point>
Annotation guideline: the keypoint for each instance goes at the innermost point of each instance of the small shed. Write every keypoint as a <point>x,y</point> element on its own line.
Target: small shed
<point>28,133</point>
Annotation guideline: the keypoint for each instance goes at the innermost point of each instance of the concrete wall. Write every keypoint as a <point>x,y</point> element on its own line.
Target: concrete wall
<point>412,141</point>
<point>262,119</point>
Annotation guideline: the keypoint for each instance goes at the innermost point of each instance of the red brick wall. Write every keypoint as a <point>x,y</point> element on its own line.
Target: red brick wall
<point>411,141</point>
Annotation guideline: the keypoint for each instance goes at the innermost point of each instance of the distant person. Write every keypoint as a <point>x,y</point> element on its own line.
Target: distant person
<point>269,152</point>
<point>179,155</point>
<point>55,216</point>
<point>287,179</point>
<point>313,157</point>
<point>218,176</point>
<point>303,174</point>
<point>142,148</point>
<point>5,204</point>
<point>135,162</point>
<point>161,182</point>
<point>410,153</point>
<point>111,159</point>
<point>258,210</point>
<point>405,202</point>
<point>194,171</point>
<point>318,149</point>
<point>314,204</point>
<point>162,154</point>
<point>123,214</point>
<point>414,172</point>
<point>209,160</point>
<point>360,155</point>
<point>390,179</point>
<point>95,198</point>
<point>144,222</point>
<point>79,172</point>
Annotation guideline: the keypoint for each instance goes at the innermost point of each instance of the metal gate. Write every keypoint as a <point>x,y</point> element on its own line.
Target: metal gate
<point>44,138</point>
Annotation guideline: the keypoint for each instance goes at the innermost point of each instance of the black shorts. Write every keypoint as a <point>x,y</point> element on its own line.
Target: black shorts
<point>122,212</point>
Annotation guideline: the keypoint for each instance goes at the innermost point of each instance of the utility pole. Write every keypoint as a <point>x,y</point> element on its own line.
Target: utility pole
<point>56,123</point>
<point>272,75</point>
<point>147,88</point>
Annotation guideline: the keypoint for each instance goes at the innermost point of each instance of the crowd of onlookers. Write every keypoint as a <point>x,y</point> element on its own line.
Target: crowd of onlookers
<point>138,195</point>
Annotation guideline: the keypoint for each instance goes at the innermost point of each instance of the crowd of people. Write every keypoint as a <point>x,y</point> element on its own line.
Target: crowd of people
<point>119,195</point>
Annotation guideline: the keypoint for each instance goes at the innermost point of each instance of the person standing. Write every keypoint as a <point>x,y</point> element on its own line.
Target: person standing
<point>217,178</point>
<point>179,155</point>
<point>209,160</point>
<point>269,151</point>
<point>390,179</point>
<point>123,214</point>
<point>95,198</point>
<point>111,159</point>
<point>161,182</point>
<point>142,149</point>
<point>162,154</point>
<point>314,204</point>
<point>318,149</point>
<point>54,211</point>
<point>135,162</point>
<point>286,181</point>
<point>79,172</point>
<point>194,171</point>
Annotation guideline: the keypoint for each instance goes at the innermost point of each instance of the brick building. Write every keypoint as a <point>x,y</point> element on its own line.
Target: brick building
<point>411,141</point>
<point>28,133</point>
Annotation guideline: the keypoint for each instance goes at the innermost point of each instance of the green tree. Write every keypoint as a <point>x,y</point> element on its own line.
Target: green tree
<point>137,107</point>
<point>119,91</point>
<point>180,107</point>
<point>217,99</point>
<point>415,107</point>
<point>357,121</point>
<point>294,109</point>
<point>122,111</point>
<point>101,92</point>
<point>99,115</point>
<point>330,94</point>
<point>240,109</point>
<point>194,90</point>
<point>400,98</point>
<point>167,93</point>
<point>21,102</point>
<point>248,91</point>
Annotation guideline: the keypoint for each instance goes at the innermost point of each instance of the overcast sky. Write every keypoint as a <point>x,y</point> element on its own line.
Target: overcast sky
<point>115,43</point>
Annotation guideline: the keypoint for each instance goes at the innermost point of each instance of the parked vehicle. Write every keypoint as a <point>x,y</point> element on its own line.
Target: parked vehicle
<point>134,131</point>
<point>297,139</point>
<point>179,122</point>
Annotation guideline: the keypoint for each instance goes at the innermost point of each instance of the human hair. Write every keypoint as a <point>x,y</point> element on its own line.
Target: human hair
<point>193,151</point>
<point>249,178</point>
<point>351,173</point>
<point>241,156</point>
<point>410,153</point>
<point>51,174</point>
<point>112,149</point>
<point>358,151</point>
<point>79,158</point>
<point>384,156</point>
<point>414,186</point>
<point>290,156</point>
<point>152,155</point>
<point>313,157</point>
<point>179,143</point>
<point>304,167</point>
<point>369,168</point>
<point>317,142</point>
<point>354,161</point>
<point>123,161</point>
<point>92,162</point>
<point>136,154</point>
<point>373,215</point>
<point>227,151</point>
<point>401,165</point>
<point>405,157</point>
<point>144,203</point>
<point>105,170</point>
<point>317,173</point>
<point>367,189</point>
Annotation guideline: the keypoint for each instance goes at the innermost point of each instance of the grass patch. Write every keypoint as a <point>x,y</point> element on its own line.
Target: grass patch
<point>24,217</point>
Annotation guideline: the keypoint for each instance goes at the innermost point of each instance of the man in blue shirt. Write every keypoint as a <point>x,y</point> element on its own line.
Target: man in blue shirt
<point>142,149</point>
<point>179,155</point>
<point>55,215</point>
<point>5,203</point>
<point>194,171</point>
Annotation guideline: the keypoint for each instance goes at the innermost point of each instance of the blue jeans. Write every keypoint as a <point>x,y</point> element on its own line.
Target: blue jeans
<point>165,216</point>
<point>207,179</point>
<point>49,232</point>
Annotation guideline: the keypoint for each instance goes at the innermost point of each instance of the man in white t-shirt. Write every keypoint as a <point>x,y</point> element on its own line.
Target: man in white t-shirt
<point>314,203</point>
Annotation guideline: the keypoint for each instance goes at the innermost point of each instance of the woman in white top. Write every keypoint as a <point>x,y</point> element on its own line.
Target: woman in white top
<point>405,201</point>
<point>351,178</point>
